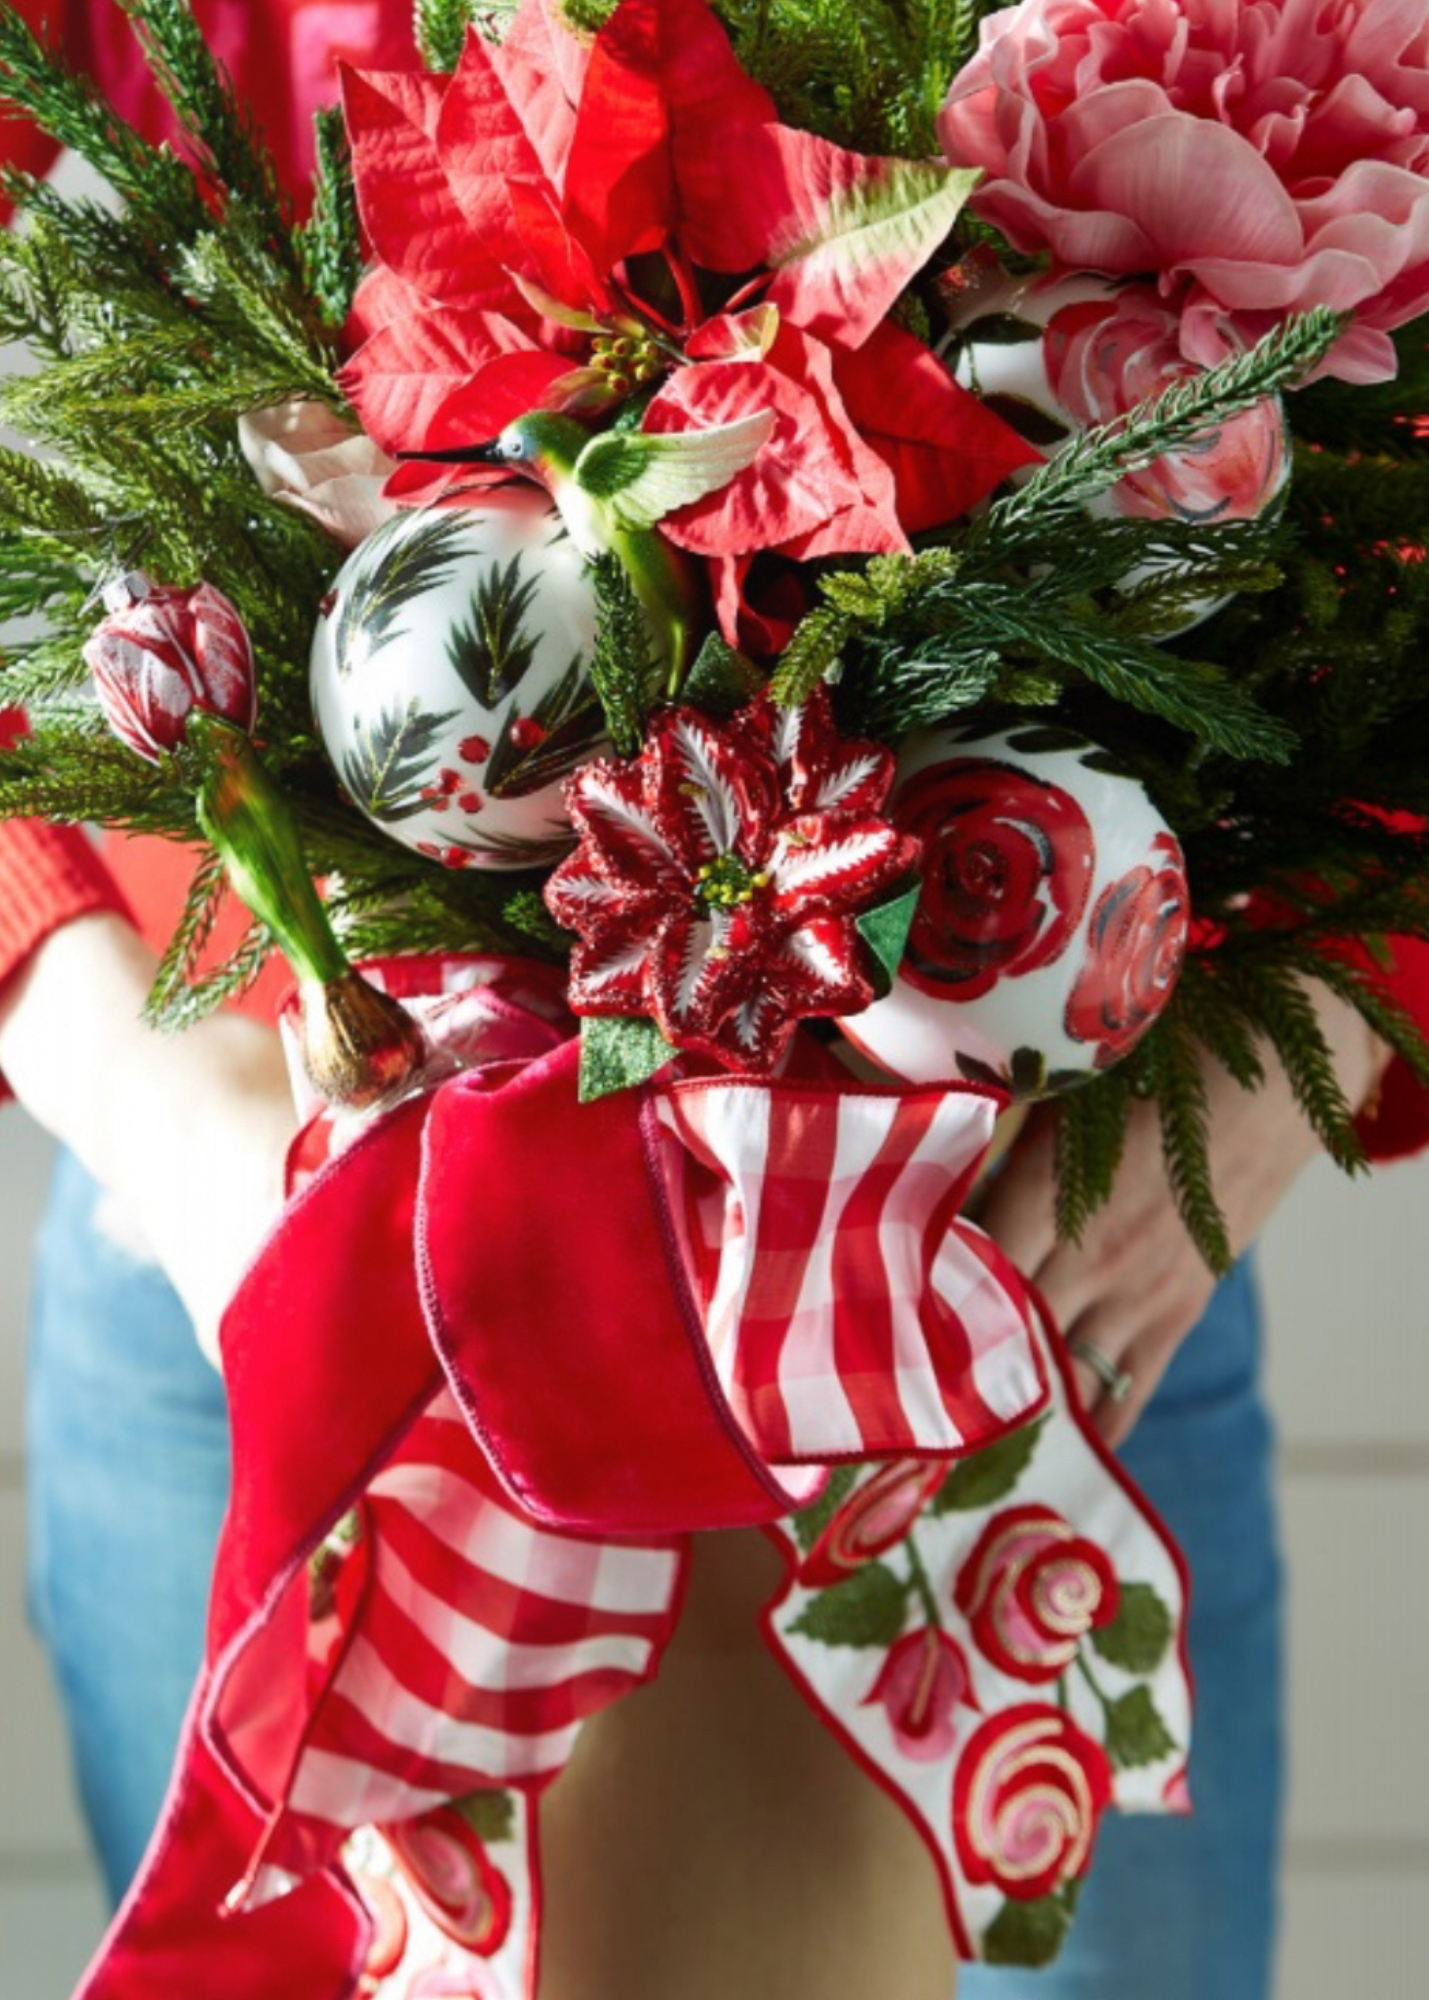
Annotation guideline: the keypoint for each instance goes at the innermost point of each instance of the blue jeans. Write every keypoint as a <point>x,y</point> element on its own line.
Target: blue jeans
<point>129,1471</point>
<point>128,1479</point>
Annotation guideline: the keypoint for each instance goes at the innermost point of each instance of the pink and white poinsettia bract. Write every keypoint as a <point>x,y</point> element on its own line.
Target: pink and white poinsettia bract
<point>720,875</point>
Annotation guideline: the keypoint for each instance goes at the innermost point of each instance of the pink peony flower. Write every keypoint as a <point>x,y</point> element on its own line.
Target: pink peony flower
<point>922,1683</point>
<point>1105,356</point>
<point>1259,157</point>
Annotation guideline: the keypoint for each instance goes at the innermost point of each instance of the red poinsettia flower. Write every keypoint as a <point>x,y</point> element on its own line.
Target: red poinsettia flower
<point>558,226</point>
<point>720,874</point>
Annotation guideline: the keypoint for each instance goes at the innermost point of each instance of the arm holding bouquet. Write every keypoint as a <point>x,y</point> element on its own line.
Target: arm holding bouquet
<point>189,1132</point>
<point>971,625</point>
<point>1135,1286</point>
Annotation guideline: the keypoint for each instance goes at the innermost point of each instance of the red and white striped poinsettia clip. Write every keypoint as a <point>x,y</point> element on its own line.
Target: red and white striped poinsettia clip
<point>720,875</point>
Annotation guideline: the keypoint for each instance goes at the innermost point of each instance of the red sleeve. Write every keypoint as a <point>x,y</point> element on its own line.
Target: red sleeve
<point>49,876</point>
<point>283,56</point>
<point>1396,1121</point>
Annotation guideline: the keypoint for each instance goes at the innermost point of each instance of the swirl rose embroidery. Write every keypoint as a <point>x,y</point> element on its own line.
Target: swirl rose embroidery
<point>1007,868</point>
<point>1136,944</point>
<point>1029,1792</point>
<point>454,1878</point>
<point>1031,1590</point>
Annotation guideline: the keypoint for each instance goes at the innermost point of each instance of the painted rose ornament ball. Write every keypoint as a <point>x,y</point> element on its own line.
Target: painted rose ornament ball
<point>1056,356</point>
<point>1052,921</point>
<point>449,681</point>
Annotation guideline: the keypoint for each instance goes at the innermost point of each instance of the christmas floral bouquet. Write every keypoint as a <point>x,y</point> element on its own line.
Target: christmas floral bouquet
<point>799,573</point>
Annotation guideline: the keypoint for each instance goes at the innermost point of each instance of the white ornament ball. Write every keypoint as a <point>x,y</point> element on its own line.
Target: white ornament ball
<point>449,681</point>
<point>1055,356</point>
<point>1053,917</point>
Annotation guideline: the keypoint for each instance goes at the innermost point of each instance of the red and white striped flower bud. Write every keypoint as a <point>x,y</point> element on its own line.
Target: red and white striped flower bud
<point>161,653</point>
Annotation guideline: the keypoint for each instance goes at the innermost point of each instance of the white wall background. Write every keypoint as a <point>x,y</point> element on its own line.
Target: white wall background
<point>1345,1270</point>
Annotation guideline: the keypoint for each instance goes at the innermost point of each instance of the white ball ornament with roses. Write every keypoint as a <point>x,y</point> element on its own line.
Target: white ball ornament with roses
<point>1052,921</point>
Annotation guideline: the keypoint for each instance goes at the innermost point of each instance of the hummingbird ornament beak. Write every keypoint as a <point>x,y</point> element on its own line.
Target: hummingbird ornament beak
<point>459,454</point>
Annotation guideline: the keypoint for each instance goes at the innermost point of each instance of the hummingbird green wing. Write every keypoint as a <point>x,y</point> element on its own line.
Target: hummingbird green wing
<point>640,476</point>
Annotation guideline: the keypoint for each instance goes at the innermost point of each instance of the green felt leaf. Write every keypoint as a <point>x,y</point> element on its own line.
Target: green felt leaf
<point>885,931</point>
<point>866,1610</point>
<point>721,679</point>
<point>1137,1638</point>
<point>1027,1933</point>
<point>619,1054</point>
<point>809,1523</point>
<point>490,1815</point>
<point>1135,1732</point>
<point>990,1474</point>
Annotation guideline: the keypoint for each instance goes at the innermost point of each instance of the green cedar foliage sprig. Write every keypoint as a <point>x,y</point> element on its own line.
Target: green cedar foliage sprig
<point>621,667</point>
<point>221,128</point>
<point>871,76</point>
<point>330,245</point>
<point>158,189</point>
<point>441,28</point>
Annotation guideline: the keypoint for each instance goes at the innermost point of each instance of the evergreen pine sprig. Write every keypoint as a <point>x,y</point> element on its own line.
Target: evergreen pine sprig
<point>35,81</point>
<point>1168,1065</point>
<point>202,94</point>
<point>621,668</point>
<point>1276,998</point>
<point>441,26</point>
<point>330,245</point>
<point>1184,411</point>
<point>169,998</point>
<point>1090,1131</point>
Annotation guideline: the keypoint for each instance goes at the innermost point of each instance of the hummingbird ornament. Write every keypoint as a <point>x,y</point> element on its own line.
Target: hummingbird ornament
<point>613,489</point>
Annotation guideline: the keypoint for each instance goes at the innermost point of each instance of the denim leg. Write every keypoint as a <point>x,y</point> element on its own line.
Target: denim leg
<point>1179,1908</point>
<point>128,1479</point>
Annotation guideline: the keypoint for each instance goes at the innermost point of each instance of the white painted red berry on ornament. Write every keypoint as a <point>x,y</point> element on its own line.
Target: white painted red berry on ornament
<point>458,639</point>
<point>1052,920</point>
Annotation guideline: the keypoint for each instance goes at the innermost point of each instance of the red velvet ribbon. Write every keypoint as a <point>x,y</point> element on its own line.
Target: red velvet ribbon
<point>502,1236</point>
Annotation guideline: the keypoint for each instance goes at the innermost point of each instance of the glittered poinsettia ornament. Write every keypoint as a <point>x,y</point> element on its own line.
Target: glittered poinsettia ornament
<point>720,876</point>
<point>563,225</point>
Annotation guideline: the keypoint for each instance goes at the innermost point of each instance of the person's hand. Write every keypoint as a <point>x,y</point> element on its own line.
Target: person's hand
<point>1135,1285</point>
<point>189,1132</point>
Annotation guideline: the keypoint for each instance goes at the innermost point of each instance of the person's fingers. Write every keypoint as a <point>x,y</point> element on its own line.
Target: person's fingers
<point>1102,1330</point>
<point>1019,1208</point>
<point>1072,1278</point>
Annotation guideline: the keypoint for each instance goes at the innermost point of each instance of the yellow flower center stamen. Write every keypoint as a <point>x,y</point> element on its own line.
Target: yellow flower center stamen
<point>725,883</point>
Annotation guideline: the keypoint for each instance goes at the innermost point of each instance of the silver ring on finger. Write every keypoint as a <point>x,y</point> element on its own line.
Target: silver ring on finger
<point>1114,1380</point>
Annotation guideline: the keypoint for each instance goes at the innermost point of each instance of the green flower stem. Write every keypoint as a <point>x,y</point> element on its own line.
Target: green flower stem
<point>360,1046</point>
<point>921,1582</point>
<point>249,822</point>
<point>1091,1680</point>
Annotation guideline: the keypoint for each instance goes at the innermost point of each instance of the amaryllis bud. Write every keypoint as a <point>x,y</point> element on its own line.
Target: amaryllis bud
<point>162,653</point>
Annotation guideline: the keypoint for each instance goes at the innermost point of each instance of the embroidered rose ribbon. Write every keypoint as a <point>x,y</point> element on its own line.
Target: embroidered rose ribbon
<point>499,1368</point>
